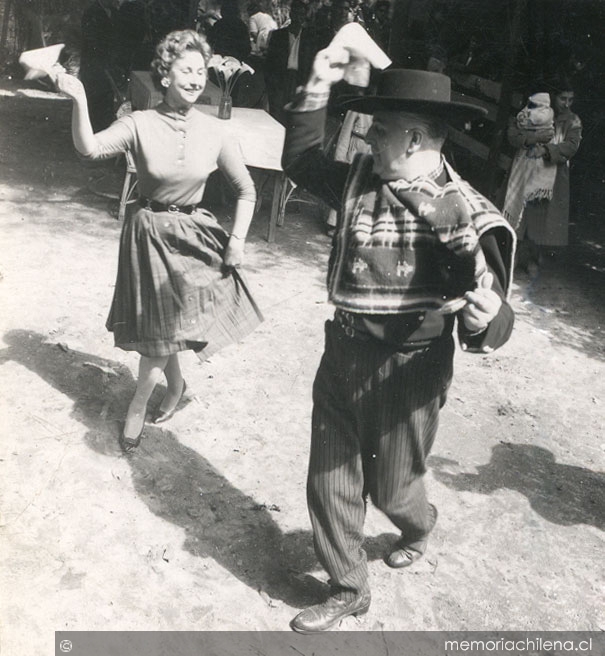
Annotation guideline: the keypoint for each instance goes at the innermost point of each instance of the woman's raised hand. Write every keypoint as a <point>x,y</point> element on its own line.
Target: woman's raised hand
<point>67,84</point>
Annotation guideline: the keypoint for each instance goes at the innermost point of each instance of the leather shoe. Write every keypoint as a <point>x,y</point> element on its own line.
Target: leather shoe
<point>322,617</point>
<point>165,415</point>
<point>131,443</point>
<point>407,553</point>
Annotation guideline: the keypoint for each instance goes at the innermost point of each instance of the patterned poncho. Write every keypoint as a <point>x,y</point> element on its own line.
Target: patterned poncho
<point>410,246</point>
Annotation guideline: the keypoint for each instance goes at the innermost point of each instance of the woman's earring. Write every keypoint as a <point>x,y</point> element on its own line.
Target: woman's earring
<point>165,82</point>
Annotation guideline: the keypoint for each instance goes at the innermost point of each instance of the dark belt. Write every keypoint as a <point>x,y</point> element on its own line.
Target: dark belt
<point>347,323</point>
<point>154,206</point>
<point>352,327</point>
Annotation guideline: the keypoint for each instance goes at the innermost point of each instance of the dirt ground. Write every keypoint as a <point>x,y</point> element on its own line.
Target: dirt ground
<point>206,527</point>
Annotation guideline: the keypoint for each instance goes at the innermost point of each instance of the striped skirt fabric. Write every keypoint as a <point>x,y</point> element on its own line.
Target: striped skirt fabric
<point>172,291</point>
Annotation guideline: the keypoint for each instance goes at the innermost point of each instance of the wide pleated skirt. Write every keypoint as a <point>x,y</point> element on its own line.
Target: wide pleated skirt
<point>173,292</point>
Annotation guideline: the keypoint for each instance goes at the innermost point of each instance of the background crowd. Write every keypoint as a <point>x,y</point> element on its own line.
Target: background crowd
<point>279,39</point>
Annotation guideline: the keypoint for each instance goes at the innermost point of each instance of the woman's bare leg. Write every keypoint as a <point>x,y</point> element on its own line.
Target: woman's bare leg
<point>175,382</point>
<point>150,371</point>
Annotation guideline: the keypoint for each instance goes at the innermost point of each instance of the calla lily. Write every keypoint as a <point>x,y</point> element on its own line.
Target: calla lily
<point>228,69</point>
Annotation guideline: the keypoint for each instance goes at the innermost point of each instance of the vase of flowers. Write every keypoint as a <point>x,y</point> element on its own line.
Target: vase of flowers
<point>224,106</point>
<point>227,71</point>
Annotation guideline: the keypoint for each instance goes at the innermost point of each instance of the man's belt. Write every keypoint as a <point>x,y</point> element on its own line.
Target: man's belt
<point>351,325</point>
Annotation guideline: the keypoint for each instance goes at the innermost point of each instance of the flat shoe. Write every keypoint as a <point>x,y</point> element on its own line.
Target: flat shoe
<point>163,415</point>
<point>129,443</point>
<point>406,554</point>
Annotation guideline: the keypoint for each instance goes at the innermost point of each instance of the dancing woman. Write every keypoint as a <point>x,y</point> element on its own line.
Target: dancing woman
<point>177,286</point>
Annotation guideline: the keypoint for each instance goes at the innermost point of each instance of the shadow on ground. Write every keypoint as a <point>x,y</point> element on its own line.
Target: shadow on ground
<point>561,494</point>
<point>177,483</point>
<point>567,295</point>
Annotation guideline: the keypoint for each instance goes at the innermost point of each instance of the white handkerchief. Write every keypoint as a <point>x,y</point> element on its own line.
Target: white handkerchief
<point>356,40</point>
<point>37,63</point>
<point>363,53</point>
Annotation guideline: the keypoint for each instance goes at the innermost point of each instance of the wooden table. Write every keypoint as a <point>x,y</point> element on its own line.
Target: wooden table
<point>260,136</point>
<point>261,139</point>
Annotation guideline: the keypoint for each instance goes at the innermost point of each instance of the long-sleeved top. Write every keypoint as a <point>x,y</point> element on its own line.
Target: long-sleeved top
<point>306,164</point>
<point>568,129</point>
<point>175,153</point>
<point>287,65</point>
<point>260,27</point>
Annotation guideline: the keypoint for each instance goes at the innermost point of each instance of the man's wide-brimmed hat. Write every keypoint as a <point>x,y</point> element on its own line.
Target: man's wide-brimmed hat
<point>418,92</point>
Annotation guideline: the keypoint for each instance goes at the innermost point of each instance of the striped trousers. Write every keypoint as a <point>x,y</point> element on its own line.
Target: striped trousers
<point>375,416</point>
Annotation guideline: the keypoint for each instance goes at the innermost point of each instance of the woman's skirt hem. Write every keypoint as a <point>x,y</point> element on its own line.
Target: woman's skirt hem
<point>173,292</point>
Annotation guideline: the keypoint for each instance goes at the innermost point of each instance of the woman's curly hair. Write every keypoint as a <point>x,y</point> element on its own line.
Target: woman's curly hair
<point>173,46</point>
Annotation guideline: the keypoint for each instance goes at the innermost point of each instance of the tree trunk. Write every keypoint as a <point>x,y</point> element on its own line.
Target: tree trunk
<point>5,20</point>
<point>519,10</point>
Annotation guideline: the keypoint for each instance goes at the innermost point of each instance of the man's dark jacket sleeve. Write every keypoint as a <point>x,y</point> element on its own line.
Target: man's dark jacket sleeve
<point>501,326</point>
<point>304,161</point>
